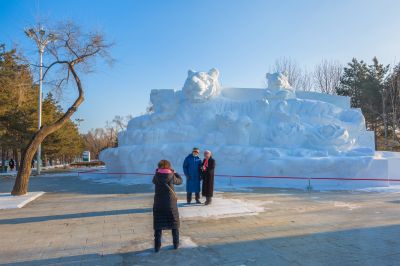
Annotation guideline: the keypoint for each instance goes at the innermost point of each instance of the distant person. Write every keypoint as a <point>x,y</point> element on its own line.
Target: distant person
<point>11,163</point>
<point>165,209</point>
<point>191,168</point>
<point>207,173</point>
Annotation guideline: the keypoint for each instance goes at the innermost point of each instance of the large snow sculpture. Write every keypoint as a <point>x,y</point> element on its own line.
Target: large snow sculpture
<point>271,131</point>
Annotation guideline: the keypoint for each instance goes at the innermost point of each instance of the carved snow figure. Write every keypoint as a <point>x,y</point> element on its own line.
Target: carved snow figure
<point>279,87</point>
<point>201,86</point>
<point>272,131</point>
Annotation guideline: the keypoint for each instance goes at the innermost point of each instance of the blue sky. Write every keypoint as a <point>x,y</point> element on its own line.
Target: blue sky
<point>156,42</point>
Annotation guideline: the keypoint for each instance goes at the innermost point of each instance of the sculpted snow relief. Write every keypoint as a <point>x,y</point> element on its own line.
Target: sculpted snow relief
<point>272,131</point>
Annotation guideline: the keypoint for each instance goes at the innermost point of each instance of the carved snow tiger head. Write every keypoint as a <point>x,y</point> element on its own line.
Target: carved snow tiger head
<point>201,86</point>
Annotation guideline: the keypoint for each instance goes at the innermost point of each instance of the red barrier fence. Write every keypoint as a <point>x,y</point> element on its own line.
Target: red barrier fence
<point>253,176</point>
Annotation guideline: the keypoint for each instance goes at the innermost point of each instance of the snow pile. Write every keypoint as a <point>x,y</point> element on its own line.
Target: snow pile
<point>122,179</point>
<point>9,173</point>
<point>220,208</point>
<point>388,189</point>
<point>8,201</point>
<point>276,131</point>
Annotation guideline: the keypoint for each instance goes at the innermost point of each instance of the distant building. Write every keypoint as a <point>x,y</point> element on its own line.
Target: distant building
<point>86,156</point>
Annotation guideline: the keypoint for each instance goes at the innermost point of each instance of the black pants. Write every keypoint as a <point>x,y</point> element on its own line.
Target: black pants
<point>189,196</point>
<point>158,233</point>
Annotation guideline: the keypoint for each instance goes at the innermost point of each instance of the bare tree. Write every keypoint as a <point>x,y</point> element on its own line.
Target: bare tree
<point>98,139</point>
<point>327,76</point>
<point>298,77</point>
<point>72,53</point>
<point>121,122</point>
<point>306,81</point>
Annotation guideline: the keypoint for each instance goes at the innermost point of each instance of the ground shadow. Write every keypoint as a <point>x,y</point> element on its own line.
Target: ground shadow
<point>23,220</point>
<point>360,246</point>
<point>394,201</point>
<point>73,184</point>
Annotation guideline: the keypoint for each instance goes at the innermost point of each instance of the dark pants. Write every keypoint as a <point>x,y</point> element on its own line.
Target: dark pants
<point>157,237</point>
<point>189,196</point>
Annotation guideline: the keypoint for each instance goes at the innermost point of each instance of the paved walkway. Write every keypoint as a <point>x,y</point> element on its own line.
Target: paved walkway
<point>83,223</point>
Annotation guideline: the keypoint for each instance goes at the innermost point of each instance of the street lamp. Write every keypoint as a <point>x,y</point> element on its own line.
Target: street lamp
<point>39,35</point>
<point>79,121</point>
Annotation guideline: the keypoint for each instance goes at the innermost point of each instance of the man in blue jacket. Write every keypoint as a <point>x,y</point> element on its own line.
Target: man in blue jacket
<point>191,168</point>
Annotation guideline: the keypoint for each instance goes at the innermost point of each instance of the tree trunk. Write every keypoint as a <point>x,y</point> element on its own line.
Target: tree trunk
<point>385,122</point>
<point>21,151</point>
<point>22,180</point>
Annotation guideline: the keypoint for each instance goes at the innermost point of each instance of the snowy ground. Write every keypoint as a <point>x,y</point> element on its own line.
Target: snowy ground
<point>99,175</point>
<point>166,244</point>
<point>7,201</point>
<point>80,222</point>
<point>220,208</point>
<point>389,189</point>
<point>9,173</point>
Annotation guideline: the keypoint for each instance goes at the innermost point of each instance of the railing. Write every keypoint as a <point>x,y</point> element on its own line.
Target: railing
<point>309,179</point>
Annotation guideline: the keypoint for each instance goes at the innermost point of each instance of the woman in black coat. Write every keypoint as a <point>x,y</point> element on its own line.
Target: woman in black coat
<point>207,168</point>
<point>165,209</point>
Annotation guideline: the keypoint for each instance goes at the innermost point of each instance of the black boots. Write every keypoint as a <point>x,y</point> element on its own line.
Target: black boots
<point>189,197</point>
<point>175,238</point>
<point>157,239</point>
<point>208,201</point>
<point>197,197</point>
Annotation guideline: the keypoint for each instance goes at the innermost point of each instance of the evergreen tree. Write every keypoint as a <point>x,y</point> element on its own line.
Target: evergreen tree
<point>365,85</point>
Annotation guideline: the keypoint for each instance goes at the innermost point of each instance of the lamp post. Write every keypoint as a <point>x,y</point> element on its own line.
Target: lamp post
<point>41,39</point>
<point>79,121</point>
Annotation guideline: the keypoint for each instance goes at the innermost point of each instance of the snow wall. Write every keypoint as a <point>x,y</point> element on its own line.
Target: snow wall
<point>275,131</point>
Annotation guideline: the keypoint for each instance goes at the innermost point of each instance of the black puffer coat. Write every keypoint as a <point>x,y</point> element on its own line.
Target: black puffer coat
<point>208,178</point>
<point>165,209</point>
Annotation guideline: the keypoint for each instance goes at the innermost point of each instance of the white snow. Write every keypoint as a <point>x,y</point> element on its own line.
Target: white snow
<point>220,208</point>
<point>348,205</point>
<point>247,184</point>
<point>388,189</point>
<point>275,131</point>
<point>9,173</point>
<point>7,201</point>
<point>101,176</point>
<point>166,243</point>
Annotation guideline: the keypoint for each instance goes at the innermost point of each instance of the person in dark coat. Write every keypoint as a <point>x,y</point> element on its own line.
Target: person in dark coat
<point>191,168</point>
<point>207,173</point>
<point>165,208</point>
<point>11,163</point>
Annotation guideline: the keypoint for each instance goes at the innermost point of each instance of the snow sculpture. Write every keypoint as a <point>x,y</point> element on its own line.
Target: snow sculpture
<point>279,87</point>
<point>272,131</point>
<point>278,80</point>
<point>200,86</point>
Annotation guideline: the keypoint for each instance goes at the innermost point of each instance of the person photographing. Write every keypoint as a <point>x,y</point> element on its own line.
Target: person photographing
<point>165,207</point>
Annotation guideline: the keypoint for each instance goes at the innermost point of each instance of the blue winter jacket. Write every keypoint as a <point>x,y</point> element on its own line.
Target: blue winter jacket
<point>191,168</point>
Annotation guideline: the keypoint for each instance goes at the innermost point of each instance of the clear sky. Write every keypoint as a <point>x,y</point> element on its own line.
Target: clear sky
<point>156,42</point>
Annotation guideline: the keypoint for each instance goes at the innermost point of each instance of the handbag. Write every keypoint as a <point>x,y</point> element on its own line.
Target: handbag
<point>170,189</point>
